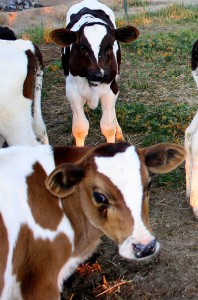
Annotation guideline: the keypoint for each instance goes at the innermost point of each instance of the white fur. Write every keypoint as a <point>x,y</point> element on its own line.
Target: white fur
<point>16,163</point>
<point>15,109</point>
<point>92,4</point>
<point>68,269</point>
<point>191,146</point>
<point>95,34</point>
<point>123,169</point>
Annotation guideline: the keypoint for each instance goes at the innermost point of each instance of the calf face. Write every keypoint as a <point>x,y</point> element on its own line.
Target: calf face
<point>95,52</point>
<point>112,183</point>
<point>91,59</point>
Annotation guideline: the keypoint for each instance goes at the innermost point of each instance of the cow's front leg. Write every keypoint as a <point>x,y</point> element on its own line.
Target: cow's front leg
<point>194,176</point>
<point>80,124</point>
<point>119,135</point>
<point>190,141</point>
<point>109,124</point>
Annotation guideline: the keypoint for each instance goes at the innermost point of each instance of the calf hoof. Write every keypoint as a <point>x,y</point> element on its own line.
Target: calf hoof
<point>195,213</point>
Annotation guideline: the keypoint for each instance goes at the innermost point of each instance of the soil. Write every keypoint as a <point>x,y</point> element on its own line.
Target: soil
<point>172,273</point>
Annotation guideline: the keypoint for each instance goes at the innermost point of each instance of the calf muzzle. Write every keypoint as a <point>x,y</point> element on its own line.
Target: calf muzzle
<point>142,251</point>
<point>95,76</point>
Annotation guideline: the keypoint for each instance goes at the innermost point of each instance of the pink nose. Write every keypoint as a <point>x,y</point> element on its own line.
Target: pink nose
<point>141,250</point>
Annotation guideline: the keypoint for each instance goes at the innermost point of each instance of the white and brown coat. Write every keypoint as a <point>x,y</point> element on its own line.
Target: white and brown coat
<point>52,218</point>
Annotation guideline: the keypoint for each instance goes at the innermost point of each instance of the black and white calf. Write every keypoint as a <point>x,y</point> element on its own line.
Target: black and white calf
<point>21,71</point>
<point>91,60</point>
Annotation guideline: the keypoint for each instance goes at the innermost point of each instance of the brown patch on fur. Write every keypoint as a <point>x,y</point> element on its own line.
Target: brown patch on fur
<point>37,263</point>
<point>86,236</point>
<point>69,154</point>
<point>41,202</point>
<point>4,252</point>
<point>29,81</point>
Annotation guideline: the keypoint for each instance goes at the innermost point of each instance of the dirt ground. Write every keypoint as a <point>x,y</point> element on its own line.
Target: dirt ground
<point>172,273</point>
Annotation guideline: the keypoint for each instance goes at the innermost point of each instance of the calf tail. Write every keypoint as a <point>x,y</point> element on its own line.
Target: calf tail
<point>38,123</point>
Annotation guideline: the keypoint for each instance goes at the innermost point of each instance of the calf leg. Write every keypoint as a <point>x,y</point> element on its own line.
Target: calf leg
<point>109,125</point>
<point>80,124</point>
<point>194,175</point>
<point>189,142</point>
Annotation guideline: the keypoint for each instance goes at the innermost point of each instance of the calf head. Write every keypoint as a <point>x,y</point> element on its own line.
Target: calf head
<point>113,181</point>
<point>94,52</point>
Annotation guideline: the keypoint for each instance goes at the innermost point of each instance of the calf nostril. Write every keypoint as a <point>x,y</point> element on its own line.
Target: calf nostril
<point>141,250</point>
<point>95,76</point>
<point>98,75</point>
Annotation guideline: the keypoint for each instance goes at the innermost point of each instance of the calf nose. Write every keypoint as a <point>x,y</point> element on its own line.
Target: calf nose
<point>95,76</point>
<point>142,251</point>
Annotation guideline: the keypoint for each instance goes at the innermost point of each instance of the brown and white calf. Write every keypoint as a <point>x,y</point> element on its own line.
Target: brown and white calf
<point>21,71</point>
<point>191,144</point>
<point>52,218</point>
<point>91,59</point>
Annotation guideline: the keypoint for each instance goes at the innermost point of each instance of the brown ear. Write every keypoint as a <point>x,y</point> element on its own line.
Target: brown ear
<point>62,181</point>
<point>163,158</point>
<point>63,37</point>
<point>126,34</point>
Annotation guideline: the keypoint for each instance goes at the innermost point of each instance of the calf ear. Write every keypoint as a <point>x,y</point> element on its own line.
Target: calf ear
<point>63,37</point>
<point>163,158</point>
<point>126,34</point>
<point>62,181</point>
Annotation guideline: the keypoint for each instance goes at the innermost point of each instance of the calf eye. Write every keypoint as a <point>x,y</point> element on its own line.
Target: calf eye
<point>100,198</point>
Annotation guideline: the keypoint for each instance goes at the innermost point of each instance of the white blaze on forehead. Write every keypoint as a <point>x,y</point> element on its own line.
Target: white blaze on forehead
<point>95,35</point>
<point>123,170</point>
<point>91,4</point>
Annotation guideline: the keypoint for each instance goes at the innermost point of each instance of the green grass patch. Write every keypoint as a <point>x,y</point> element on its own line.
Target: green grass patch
<point>35,34</point>
<point>165,122</point>
<point>159,63</point>
<point>138,3</point>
